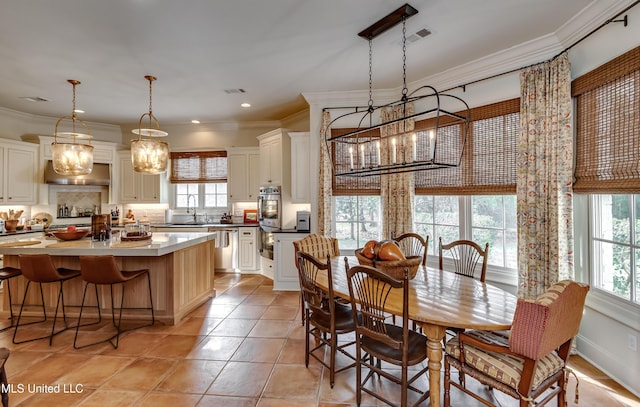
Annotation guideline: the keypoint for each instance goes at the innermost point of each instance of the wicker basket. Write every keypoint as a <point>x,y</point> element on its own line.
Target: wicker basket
<point>395,268</point>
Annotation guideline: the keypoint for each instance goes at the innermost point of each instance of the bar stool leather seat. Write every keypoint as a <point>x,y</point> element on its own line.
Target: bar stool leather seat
<point>103,270</point>
<point>39,268</point>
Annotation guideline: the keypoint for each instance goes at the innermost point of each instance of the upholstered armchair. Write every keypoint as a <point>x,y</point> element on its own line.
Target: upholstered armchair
<point>529,361</point>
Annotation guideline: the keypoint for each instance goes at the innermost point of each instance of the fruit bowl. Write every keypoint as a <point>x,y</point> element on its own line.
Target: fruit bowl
<point>395,268</point>
<point>70,235</point>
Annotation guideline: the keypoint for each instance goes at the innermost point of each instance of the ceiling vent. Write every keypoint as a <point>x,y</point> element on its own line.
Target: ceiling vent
<point>34,99</point>
<point>232,91</point>
<point>418,35</point>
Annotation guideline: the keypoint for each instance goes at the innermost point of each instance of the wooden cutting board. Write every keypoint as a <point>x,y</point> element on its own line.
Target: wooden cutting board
<point>71,243</point>
<point>140,243</point>
<point>20,243</point>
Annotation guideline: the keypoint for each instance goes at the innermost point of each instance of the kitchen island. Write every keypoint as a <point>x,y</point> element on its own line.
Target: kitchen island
<point>181,268</point>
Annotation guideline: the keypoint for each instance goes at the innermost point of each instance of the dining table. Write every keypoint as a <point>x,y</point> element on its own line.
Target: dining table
<point>438,300</point>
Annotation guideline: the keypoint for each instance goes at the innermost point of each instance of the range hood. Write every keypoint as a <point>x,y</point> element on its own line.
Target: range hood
<point>100,175</point>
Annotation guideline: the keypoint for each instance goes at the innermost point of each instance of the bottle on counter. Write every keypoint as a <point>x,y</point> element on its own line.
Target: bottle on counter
<point>60,210</point>
<point>66,210</point>
<point>74,212</point>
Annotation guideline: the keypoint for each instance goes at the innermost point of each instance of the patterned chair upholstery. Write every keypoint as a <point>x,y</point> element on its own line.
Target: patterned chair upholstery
<point>529,359</point>
<point>317,246</point>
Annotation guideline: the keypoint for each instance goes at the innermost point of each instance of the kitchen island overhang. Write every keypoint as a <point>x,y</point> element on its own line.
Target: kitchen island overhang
<point>181,267</point>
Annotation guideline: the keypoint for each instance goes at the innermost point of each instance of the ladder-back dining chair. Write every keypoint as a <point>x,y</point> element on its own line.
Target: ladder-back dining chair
<point>529,361</point>
<point>319,247</point>
<point>412,244</point>
<point>378,341</point>
<point>326,318</point>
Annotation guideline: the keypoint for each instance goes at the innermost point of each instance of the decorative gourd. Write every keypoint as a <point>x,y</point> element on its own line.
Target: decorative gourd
<point>368,249</point>
<point>389,250</point>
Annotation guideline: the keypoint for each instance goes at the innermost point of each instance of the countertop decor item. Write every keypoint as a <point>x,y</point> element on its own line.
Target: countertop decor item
<point>149,155</point>
<point>43,218</point>
<point>70,235</point>
<point>250,216</point>
<point>394,268</point>
<point>69,156</point>
<point>422,130</point>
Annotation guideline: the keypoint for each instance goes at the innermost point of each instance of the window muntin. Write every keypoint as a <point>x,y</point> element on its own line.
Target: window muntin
<point>357,220</point>
<point>207,196</point>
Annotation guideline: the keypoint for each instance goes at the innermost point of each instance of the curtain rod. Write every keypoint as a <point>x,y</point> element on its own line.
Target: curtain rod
<point>584,37</point>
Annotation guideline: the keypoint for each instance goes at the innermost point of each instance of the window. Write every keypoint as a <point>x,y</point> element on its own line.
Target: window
<point>615,244</point>
<point>200,178</point>
<point>491,219</point>
<point>357,220</point>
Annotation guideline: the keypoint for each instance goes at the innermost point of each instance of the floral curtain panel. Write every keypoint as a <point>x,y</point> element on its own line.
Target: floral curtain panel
<point>545,176</point>
<point>324,193</point>
<point>396,190</point>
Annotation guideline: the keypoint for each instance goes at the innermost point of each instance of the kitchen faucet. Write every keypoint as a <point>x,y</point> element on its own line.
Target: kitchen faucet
<point>194,206</point>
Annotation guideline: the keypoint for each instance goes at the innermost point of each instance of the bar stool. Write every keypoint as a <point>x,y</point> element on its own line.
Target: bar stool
<point>39,268</point>
<point>103,270</point>
<point>7,273</point>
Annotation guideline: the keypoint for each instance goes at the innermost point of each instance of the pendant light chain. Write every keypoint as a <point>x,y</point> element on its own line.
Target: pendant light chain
<point>73,109</point>
<point>370,76</point>
<point>404,58</point>
<point>150,95</point>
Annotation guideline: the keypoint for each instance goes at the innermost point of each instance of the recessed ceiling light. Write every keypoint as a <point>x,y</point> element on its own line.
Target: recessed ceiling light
<point>245,104</point>
<point>195,121</point>
<point>78,111</point>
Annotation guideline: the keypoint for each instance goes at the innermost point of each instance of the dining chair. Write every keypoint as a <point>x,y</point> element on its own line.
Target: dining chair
<point>39,268</point>
<point>319,247</point>
<point>529,362</point>
<point>378,341</point>
<point>469,259</point>
<point>103,270</point>
<point>412,244</point>
<point>6,274</point>
<point>326,318</point>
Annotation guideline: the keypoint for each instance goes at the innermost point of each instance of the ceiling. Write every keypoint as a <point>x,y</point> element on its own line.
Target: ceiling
<point>274,50</point>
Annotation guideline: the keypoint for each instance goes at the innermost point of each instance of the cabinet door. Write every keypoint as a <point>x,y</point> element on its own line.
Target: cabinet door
<point>275,153</point>
<point>149,187</point>
<point>128,181</point>
<point>285,273</point>
<point>237,177</point>
<point>20,176</point>
<point>265,163</point>
<point>3,197</point>
<point>300,192</point>
<point>254,177</point>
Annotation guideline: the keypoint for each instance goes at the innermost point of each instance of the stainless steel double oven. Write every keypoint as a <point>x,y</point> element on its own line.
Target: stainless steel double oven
<point>269,217</point>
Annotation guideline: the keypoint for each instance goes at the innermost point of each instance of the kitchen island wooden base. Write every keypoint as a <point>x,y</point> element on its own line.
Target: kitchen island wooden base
<point>181,281</point>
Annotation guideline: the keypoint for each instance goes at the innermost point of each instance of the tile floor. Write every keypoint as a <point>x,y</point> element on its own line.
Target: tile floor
<point>243,348</point>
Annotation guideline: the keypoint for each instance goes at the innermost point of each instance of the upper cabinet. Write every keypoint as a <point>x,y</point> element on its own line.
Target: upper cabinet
<point>300,157</point>
<point>140,188</point>
<point>275,151</point>
<point>243,176</point>
<point>18,162</point>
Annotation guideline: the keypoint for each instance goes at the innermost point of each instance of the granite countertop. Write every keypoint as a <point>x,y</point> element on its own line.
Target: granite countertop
<point>159,245</point>
<point>204,225</point>
<point>19,232</point>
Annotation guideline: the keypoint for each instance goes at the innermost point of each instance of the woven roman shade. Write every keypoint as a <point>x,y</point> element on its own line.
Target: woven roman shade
<point>488,163</point>
<point>607,146</point>
<point>198,167</point>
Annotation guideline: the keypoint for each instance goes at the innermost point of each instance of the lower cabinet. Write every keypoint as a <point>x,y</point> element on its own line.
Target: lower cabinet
<point>248,250</point>
<point>285,273</point>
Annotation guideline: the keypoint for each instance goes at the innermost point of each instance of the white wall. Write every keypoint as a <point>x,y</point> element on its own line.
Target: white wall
<point>604,331</point>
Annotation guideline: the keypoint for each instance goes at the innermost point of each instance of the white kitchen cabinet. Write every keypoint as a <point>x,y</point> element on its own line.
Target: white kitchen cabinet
<point>300,157</point>
<point>248,249</point>
<point>275,153</point>
<point>285,271</point>
<point>18,179</point>
<point>243,176</point>
<point>140,188</point>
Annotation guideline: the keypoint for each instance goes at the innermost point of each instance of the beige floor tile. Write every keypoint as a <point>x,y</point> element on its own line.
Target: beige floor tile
<point>248,311</point>
<point>294,382</point>
<point>241,379</point>
<point>95,371</point>
<point>264,350</point>
<point>175,346</point>
<point>266,402</point>
<point>196,326</point>
<point>293,353</point>
<point>280,312</point>
<point>141,374</point>
<point>259,299</point>
<point>215,348</point>
<point>111,398</point>
<point>191,376</point>
<point>22,359</point>
<point>273,328</point>
<point>234,327</point>
<point>47,370</point>
<point>227,401</point>
<point>55,399</point>
<point>217,311</point>
<point>135,343</point>
<point>229,299</point>
<point>169,400</point>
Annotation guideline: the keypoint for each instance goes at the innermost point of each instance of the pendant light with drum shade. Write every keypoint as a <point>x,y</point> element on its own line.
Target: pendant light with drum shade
<point>149,155</point>
<point>69,156</point>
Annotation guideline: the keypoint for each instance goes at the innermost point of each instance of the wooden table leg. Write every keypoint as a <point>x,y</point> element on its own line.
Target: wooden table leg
<point>434,334</point>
